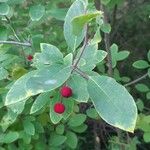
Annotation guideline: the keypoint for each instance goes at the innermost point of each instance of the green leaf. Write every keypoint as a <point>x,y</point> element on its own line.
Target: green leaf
<point>3,73</point>
<point>92,113</point>
<point>97,37</point>
<point>18,72</point>
<point>142,87</point>
<point>8,119</point>
<point>117,56</point>
<point>68,59</point>
<point>105,2</point>
<point>140,104</point>
<point>58,13</point>
<point>122,55</point>
<point>18,107</point>
<point>3,33</point>
<point>114,51</point>
<point>116,109</point>
<point>77,120</point>
<point>4,8</point>
<point>3,0</point>
<point>79,22</point>
<point>148,95</point>
<point>9,137</point>
<point>49,55</point>
<point>60,129</point>
<point>141,64</point>
<point>80,129</point>
<point>146,137</point>
<point>33,83</point>
<point>14,2</point>
<point>79,88</point>
<point>29,127</point>
<point>76,9</point>
<point>72,139</point>
<point>69,105</point>
<point>40,102</point>
<point>106,28</point>
<point>57,140</point>
<point>36,12</point>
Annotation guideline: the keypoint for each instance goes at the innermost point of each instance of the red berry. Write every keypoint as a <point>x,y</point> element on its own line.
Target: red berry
<point>59,108</point>
<point>66,91</point>
<point>30,57</point>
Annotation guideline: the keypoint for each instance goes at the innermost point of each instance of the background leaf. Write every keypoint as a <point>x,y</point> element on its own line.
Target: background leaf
<point>36,12</point>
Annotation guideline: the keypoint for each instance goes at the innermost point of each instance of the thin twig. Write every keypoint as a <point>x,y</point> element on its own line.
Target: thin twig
<point>17,37</point>
<point>15,43</point>
<point>107,44</point>
<point>12,28</point>
<point>84,75</point>
<point>136,80</point>
<point>83,47</point>
<point>96,137</point>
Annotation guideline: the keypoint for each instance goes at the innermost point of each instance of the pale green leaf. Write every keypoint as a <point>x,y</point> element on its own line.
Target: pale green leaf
<point>33,83</point>
<point>76,9</point>
<point>48,79</point>
<point>49,55</point>
<point>79,88</point>
<point>40,102</point>
<point>113,102</point>
<point>91,57</point>
<point>18,91</point>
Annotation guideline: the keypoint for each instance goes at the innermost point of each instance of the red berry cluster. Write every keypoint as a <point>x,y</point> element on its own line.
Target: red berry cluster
<point>66,92</point>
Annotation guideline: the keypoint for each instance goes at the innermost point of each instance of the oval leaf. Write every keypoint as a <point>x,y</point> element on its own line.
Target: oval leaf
<point>113,102</point>
<point>76,9</point>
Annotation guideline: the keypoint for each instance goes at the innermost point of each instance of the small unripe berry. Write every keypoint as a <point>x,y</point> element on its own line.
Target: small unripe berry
<point>66,91</point>
<point>59,108</point>
<point>30,57</point>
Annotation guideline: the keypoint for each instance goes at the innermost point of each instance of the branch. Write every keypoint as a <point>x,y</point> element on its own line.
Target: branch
<point>107,44</point>
<point>83,47</point>
<point>136,80</point>
<point>15,43</point>
<point>84,75</point>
